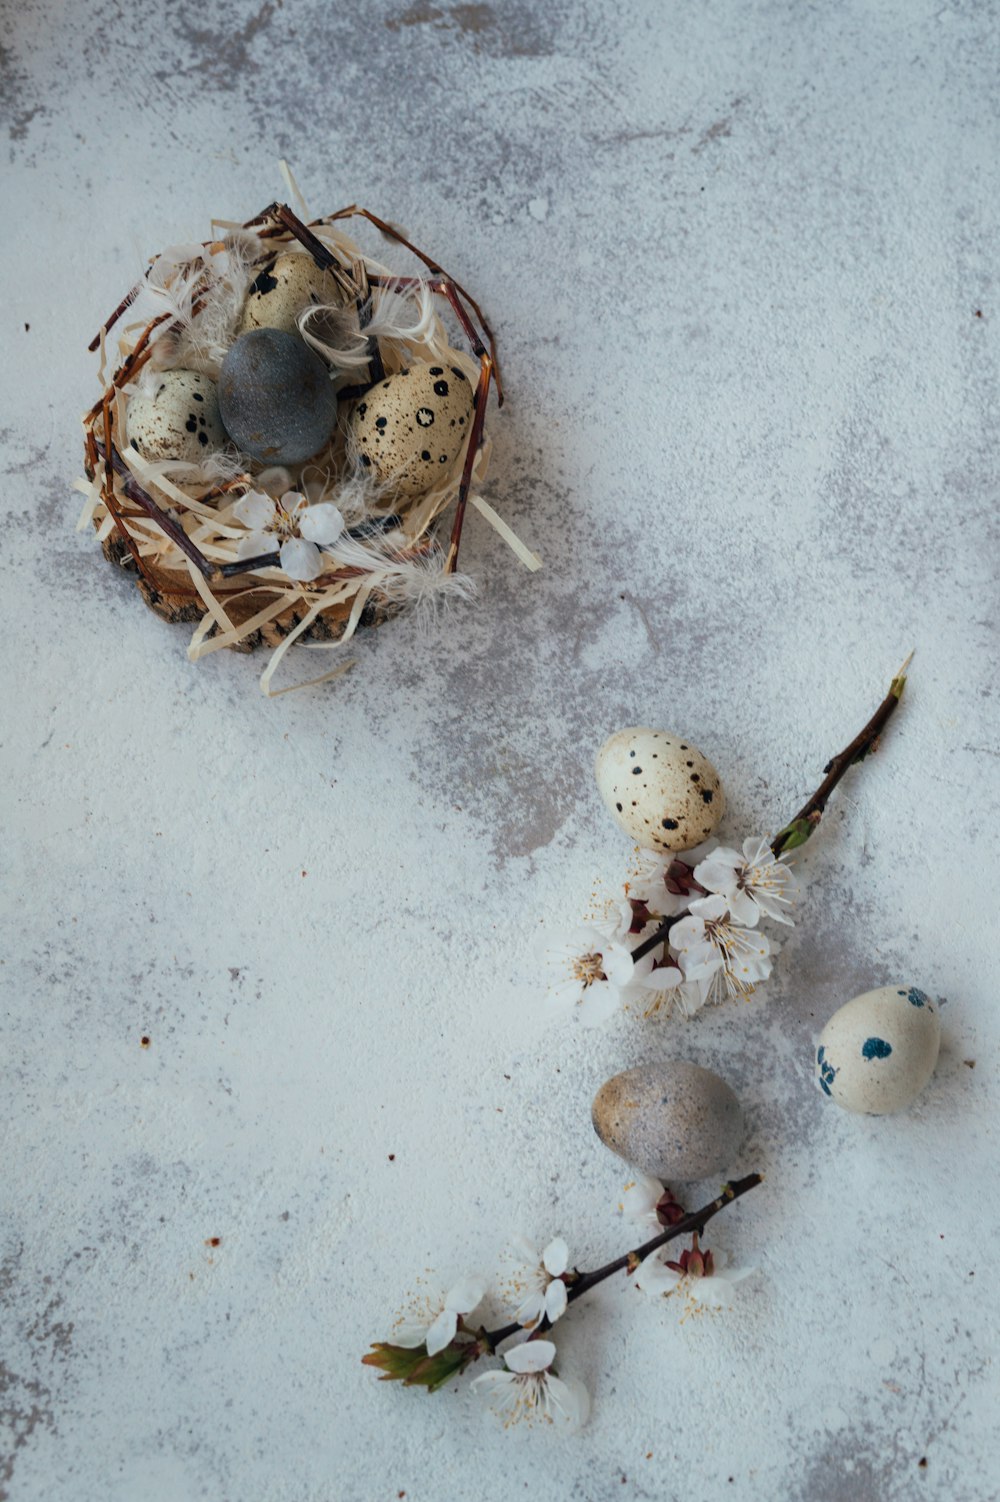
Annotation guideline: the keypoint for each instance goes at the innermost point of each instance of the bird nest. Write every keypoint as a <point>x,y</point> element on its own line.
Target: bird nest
<point>205,532</point>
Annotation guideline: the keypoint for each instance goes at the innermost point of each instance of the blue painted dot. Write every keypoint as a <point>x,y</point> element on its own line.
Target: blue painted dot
<point>917,998</point>
<point>827,1073</point>
<point>876,1048</point>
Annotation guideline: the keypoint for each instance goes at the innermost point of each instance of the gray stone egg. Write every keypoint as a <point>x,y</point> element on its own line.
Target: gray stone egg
<point>878,1051</point>
<point>179,420</point>
<point>408,430</point>
<point>276,397</point>
<point>673,1120</point>
<point>283,288</point>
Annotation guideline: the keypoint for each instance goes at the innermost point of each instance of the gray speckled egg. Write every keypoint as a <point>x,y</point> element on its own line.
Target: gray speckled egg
<point>276,397</point>
<point>283,287</point>
<point>408,429</point>
<point>675,1121</point>
<point>179,420</point>
<point>659,788</point>
<point>878,1051</point>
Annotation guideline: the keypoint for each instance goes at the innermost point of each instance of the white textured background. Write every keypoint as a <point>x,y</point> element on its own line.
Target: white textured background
<point>736,256</point>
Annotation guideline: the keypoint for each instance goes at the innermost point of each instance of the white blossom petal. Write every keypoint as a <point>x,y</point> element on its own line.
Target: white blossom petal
<point>555,1258</point>
<point>531,1309</point>
<point>255,510</point>
<point>641,1198</point>
<point>301,560</point>
<point>466,1295</point>
<point>556,1299</point>
<point>441,1331</point>
<point>256,544</point>
<point>275,480</point>
<point>321,524</point>
<point>531,1356</point>
<point>570,1399</point>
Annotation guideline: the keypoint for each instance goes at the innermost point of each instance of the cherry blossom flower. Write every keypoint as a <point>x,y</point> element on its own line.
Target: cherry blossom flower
<point>648,1203</point>
<point>432,1317</point>
<point>533,1283</point>
<point>755,883</point>
<point>696,1277</point>
<point>671,993</point>
<point>595,973</point>
<point>655,882</point>
<point>712,949</point>
<point>529,1389</point>
<point>291,527</point>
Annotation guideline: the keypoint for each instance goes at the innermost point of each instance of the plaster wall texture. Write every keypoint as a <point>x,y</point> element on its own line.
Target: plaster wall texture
<point>742,266</point>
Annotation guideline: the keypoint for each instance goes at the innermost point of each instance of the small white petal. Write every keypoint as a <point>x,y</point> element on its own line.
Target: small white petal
<point>322,524</point>
<point>556,1299</point>
<point>410,1333</point>
<point>743,909</point>
<point>653,1276</point>
<point>665,978</point>
<point>530,1310</point>
<point>570,1399</point>
<point>492,1386</point>
<point>255,545</point>
<point>441,1331</point>
<point>466,1295</point>
<point>275,480</point>
<point>532,1356</point>
<point>555,1258</point>
<point>640,1199</point>
<point>600,1001</point>
<point>301,560</point>
<point>255,510</point>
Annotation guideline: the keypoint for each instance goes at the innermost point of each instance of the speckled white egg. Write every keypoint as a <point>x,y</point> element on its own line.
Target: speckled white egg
<point>179,419</point>
<point>281,290</point>
<point>661,789</point>
<point>408,430</point>
<point>877,1053</point>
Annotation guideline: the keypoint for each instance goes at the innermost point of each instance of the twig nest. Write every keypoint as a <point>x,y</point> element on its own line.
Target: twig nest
<point>408,429</point>
<point>877,1052</point>
<point>283,288</point>
<point>180,420</point>
<point>276,398</point>
<point>660,789</point>
<point>673,1120</point>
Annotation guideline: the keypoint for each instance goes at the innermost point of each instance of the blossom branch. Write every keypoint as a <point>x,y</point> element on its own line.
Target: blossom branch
<point>864,743</point>
<point>799,830</point>
<point>580,1283</point>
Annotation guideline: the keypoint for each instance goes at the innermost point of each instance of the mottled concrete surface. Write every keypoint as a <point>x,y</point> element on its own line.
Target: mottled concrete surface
<point>742,264</point>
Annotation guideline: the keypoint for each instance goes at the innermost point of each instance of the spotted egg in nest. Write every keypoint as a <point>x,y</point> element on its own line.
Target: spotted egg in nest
<point>178,419</point>
<point>409,429</point>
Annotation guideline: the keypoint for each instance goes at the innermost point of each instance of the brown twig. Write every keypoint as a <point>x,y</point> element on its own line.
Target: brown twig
<point>864,743</point>
<point>583,1282</point>
<point>806,820</point>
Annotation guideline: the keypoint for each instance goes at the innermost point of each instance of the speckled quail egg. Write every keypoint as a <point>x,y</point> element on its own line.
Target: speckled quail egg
<point>671,1119</point>
<point>283,287</point>
<point>878,1051</point>
<point>409,429</point>
<point>178,420</point>
<point>661,789</point>
<point>276,397</point>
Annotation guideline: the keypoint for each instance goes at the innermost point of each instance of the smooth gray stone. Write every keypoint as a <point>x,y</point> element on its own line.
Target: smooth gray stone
<point>276,398</point>
<point>673,1120</point>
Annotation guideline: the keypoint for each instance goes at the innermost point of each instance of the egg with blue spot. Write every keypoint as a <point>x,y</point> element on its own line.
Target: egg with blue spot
<point>276,397</point>
<point>877,1052</point>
